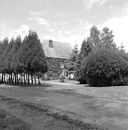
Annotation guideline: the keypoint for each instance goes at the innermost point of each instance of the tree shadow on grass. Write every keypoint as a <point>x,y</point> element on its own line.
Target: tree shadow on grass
<point>36,85</point>
<point>30,85</point>
<point>100,86</point>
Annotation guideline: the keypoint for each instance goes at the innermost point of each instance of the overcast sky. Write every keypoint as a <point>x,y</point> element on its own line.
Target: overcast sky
<point>64,20</point>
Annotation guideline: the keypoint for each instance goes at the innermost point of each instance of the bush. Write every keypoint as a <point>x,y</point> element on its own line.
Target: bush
<point>62,78</point>
<point>105,68</point>
<point>80,76</point>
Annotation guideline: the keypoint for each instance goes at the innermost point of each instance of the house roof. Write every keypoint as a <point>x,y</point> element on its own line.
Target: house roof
<point>57,49</point>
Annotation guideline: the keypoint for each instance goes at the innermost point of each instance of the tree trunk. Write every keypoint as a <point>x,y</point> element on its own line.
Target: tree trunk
<point>11,78</point>
<point>24,78</point>
<point>32,78</point>
<point>28,79</point>
<point>17,80</point>
<point>38,79</point>
<point>35,79</point>
<point>2,77</point>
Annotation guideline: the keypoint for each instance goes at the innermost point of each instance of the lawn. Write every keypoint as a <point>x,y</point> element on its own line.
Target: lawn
<point>10,122</point>
<point>106,106</point>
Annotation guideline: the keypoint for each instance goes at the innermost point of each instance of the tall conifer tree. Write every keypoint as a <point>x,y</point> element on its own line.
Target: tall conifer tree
<point>86,48</point>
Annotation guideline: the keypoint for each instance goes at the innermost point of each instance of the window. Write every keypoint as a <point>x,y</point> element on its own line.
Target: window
<point>61,65</point>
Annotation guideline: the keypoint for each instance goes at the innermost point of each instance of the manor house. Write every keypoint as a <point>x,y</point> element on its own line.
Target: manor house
<point>57,53</point>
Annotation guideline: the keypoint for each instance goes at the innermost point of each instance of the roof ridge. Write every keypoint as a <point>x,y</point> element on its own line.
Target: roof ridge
<point>56,41</point>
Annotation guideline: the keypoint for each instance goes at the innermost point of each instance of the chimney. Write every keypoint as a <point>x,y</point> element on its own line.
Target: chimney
<point>50,44</point>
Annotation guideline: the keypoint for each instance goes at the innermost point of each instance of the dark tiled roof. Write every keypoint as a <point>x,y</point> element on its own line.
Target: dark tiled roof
<point>57,49</point>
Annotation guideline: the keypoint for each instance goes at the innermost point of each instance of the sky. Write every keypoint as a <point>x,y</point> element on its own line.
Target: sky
<point>64,20</point>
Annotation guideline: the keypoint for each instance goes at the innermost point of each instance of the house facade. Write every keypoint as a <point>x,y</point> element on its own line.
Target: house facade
<point>57,53</point>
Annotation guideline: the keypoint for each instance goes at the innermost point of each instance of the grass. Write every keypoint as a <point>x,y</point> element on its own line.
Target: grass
<point>9,122</point>
<point>46,110</point>
<point>29,85</point>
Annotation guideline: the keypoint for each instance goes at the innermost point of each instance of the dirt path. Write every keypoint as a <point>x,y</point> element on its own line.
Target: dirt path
<point>41,118</point>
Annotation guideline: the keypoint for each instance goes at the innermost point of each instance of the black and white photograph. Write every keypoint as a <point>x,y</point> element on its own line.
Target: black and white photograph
<point>63,64</point>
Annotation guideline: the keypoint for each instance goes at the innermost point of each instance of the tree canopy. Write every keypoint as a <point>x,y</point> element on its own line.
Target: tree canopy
<point>86,48</point>
<point>98,40</point>
<point>22,58</point>
<point>71,62</point>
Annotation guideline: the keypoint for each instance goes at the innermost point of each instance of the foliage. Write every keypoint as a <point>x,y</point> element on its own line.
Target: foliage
<point>54,68</point>
<point>62,78</point>
<point>14,53</point>
<point>107,39</point>
<point>81,77</point>
<point>22,60</point>
<point>35,60</point>
<point>95,37</point>
<point>4,63</point>
<point>71,62</point>
<point>3,45</point>
<point>86,48</point>
<point>105,68</point>
<point>96,41</point>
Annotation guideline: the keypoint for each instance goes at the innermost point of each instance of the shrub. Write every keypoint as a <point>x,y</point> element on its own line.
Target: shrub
<point>121,80</point>
<point>105,68</point>
<point>80,76</point>
<point>62,78</point>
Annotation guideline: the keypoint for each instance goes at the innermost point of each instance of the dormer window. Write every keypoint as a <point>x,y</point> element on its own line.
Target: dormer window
<point>50,44</point>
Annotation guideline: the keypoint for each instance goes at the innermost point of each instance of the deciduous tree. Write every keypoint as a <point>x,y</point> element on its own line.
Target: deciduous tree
<point>107,38</point>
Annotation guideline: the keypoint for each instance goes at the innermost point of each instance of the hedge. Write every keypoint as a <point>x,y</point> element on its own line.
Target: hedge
<point>105,68</point>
